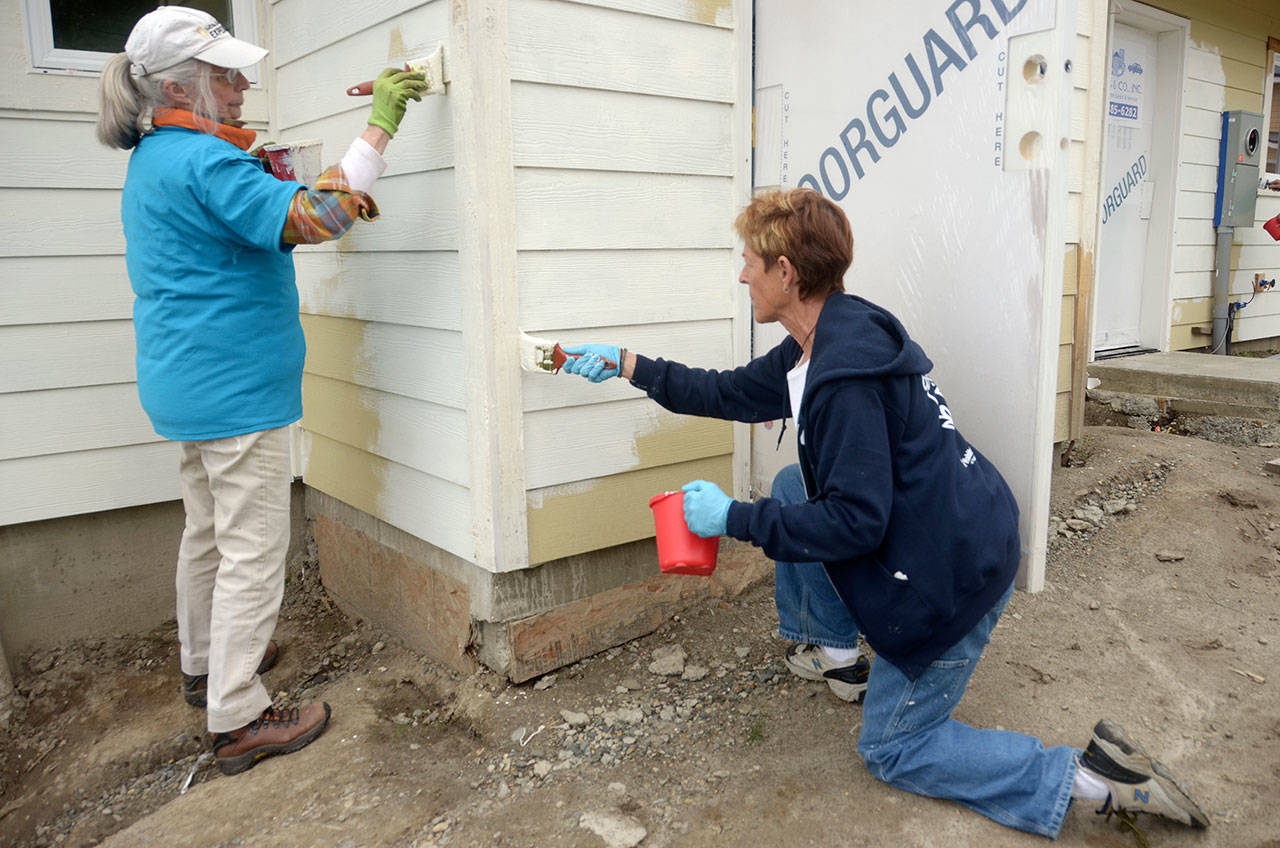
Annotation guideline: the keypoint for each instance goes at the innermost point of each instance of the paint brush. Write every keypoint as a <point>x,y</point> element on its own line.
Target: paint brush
<point>544,356</point>
<point>431,66</point>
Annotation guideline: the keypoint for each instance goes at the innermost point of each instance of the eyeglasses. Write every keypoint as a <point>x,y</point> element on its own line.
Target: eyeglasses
<point>231,75</point>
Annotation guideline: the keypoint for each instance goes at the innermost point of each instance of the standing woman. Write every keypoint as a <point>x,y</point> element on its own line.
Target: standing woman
<point>220,349</point>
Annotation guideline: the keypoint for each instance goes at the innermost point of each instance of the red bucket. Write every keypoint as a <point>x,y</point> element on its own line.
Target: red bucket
<point>1273,227</point>
<point>680,551</point>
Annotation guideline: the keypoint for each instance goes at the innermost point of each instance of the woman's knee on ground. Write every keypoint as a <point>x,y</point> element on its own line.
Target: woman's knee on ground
<point>889,760</point>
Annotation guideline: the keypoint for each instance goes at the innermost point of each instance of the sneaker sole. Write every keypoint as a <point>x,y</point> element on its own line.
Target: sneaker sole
<point>1128,754</point>
<point>249,759</point>
<point>851,692</point>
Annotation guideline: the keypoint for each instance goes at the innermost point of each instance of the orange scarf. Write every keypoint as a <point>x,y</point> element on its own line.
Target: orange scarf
<point>169,117</point>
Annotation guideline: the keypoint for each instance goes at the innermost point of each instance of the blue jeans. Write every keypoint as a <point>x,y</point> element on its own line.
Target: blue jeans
<point>909,739</point>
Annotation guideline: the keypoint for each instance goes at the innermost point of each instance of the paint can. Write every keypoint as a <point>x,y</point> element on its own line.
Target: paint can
<point>298,161</point>
<point>1273,227</point>
<point>680,551</point>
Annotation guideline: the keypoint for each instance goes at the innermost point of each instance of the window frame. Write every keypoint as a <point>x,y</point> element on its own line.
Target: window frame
<point>1272,78</point>
<point>47,59</point>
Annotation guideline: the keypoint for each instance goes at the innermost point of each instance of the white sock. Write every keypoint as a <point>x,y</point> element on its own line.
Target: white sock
<point>1088,787</point>
<point>841,655</point>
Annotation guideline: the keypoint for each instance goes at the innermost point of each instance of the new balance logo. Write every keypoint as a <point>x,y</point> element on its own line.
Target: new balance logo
<point>1139,795</point>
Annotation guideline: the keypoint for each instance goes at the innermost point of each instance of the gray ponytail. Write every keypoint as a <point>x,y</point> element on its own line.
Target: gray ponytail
<point>123,105</point>
<point>127,101</point>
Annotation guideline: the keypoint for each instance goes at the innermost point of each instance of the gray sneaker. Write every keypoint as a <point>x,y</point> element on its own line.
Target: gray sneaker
<point>1138,783</point>
<point>847,680</point>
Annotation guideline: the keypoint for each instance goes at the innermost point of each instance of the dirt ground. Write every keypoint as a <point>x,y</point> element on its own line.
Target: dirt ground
<point>1162,611</point>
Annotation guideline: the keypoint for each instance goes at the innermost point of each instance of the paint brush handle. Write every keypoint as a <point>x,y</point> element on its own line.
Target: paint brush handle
<point>365,88</point>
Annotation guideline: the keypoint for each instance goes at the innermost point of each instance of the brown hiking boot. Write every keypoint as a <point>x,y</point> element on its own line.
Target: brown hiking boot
<point>195,687</point>
<point>273,732</point>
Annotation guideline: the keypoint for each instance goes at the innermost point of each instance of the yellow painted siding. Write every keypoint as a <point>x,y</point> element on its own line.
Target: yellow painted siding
<point>1226,69</point>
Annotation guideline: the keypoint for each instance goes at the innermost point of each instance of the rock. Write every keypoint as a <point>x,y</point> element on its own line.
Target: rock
<point>630,684</point>
<point>668,660</point>
<point>1090,513</point>
<point>630,715</point>
<point>1170,556</point>
<point>694,672</point>
<point>542,768</point>
<point>545,682</point>
<point>517,735</point>
<point>1114,506</point>
<point>573,719</point>
<point>742,652</point>
<point>1093,605</point>
<point>617,830</point>
<point>1079,524</point>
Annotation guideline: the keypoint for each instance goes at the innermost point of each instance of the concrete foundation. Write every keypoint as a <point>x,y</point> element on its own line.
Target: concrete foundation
<point>520,623</point>
<point>96,575</point>
<point>1181,383</point>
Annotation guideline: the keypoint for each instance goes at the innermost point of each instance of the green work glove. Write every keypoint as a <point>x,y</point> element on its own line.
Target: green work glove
<point>392,91</point>
<point>260,153</point>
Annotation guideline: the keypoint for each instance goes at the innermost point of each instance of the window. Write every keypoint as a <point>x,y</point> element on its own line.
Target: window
<point>81,35</point>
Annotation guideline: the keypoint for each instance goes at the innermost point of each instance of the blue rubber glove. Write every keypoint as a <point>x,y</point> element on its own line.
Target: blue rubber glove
<point>706,508</point>
<point>589,360</point>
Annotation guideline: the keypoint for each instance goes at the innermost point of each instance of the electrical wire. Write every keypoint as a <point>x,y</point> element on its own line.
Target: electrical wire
<point>1232,309</point>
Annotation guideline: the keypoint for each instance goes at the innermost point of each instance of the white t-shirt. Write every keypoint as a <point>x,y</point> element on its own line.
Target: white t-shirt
<point>795,388</point>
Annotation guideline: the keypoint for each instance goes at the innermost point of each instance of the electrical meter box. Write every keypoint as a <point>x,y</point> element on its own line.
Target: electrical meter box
<point>1239,159</point>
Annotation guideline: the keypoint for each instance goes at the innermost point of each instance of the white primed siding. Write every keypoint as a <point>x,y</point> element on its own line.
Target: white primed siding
<point>384,395</point>
<point>626,188</point>
<point>73,437</point>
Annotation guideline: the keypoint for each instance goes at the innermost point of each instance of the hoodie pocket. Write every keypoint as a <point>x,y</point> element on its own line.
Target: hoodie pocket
<point>894,610</point>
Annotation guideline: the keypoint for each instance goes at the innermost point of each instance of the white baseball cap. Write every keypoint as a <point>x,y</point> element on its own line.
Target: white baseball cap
<point>171,35</point>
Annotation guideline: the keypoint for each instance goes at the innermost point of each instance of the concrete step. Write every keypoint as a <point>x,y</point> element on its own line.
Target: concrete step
<point>1193,383</point>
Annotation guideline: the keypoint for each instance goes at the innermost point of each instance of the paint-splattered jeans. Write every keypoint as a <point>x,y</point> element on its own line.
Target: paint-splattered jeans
<point>909,739</point>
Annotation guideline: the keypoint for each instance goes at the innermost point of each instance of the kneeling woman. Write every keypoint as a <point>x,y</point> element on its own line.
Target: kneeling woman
<point>891,526</point>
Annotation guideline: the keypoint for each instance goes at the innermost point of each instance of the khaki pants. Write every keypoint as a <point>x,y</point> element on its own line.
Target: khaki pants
<point>231,566</point>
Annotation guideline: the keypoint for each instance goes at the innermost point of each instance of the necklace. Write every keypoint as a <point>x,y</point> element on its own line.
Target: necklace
<point>808,336</point>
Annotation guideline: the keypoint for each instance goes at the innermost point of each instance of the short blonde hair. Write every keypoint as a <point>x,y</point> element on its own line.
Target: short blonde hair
<point>802,225</point>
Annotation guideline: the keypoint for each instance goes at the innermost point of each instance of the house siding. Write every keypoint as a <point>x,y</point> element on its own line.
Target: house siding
<point>73,437</point>
<point>384,394</point>
<point>626,188</point>
<point>1226,69</point>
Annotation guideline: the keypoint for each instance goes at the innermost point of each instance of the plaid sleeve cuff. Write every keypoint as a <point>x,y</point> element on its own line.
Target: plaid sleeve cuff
<point>328,210</point>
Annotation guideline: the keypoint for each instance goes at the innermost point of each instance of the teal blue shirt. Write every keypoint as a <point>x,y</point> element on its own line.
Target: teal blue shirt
<point>220,344</point>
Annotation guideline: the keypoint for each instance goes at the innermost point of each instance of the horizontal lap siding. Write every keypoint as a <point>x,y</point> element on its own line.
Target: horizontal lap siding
<point>625,198</point>
<point>384,390</point>
<point>73,437</point>
<point>1225,70</point>
<point>1079,226</point>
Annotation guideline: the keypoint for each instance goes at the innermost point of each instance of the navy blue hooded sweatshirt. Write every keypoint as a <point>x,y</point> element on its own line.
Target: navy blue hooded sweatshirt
<point>918,531</point>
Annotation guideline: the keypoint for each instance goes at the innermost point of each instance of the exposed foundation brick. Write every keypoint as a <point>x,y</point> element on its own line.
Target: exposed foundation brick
<point>567,633</point>
<point>428,610</point>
